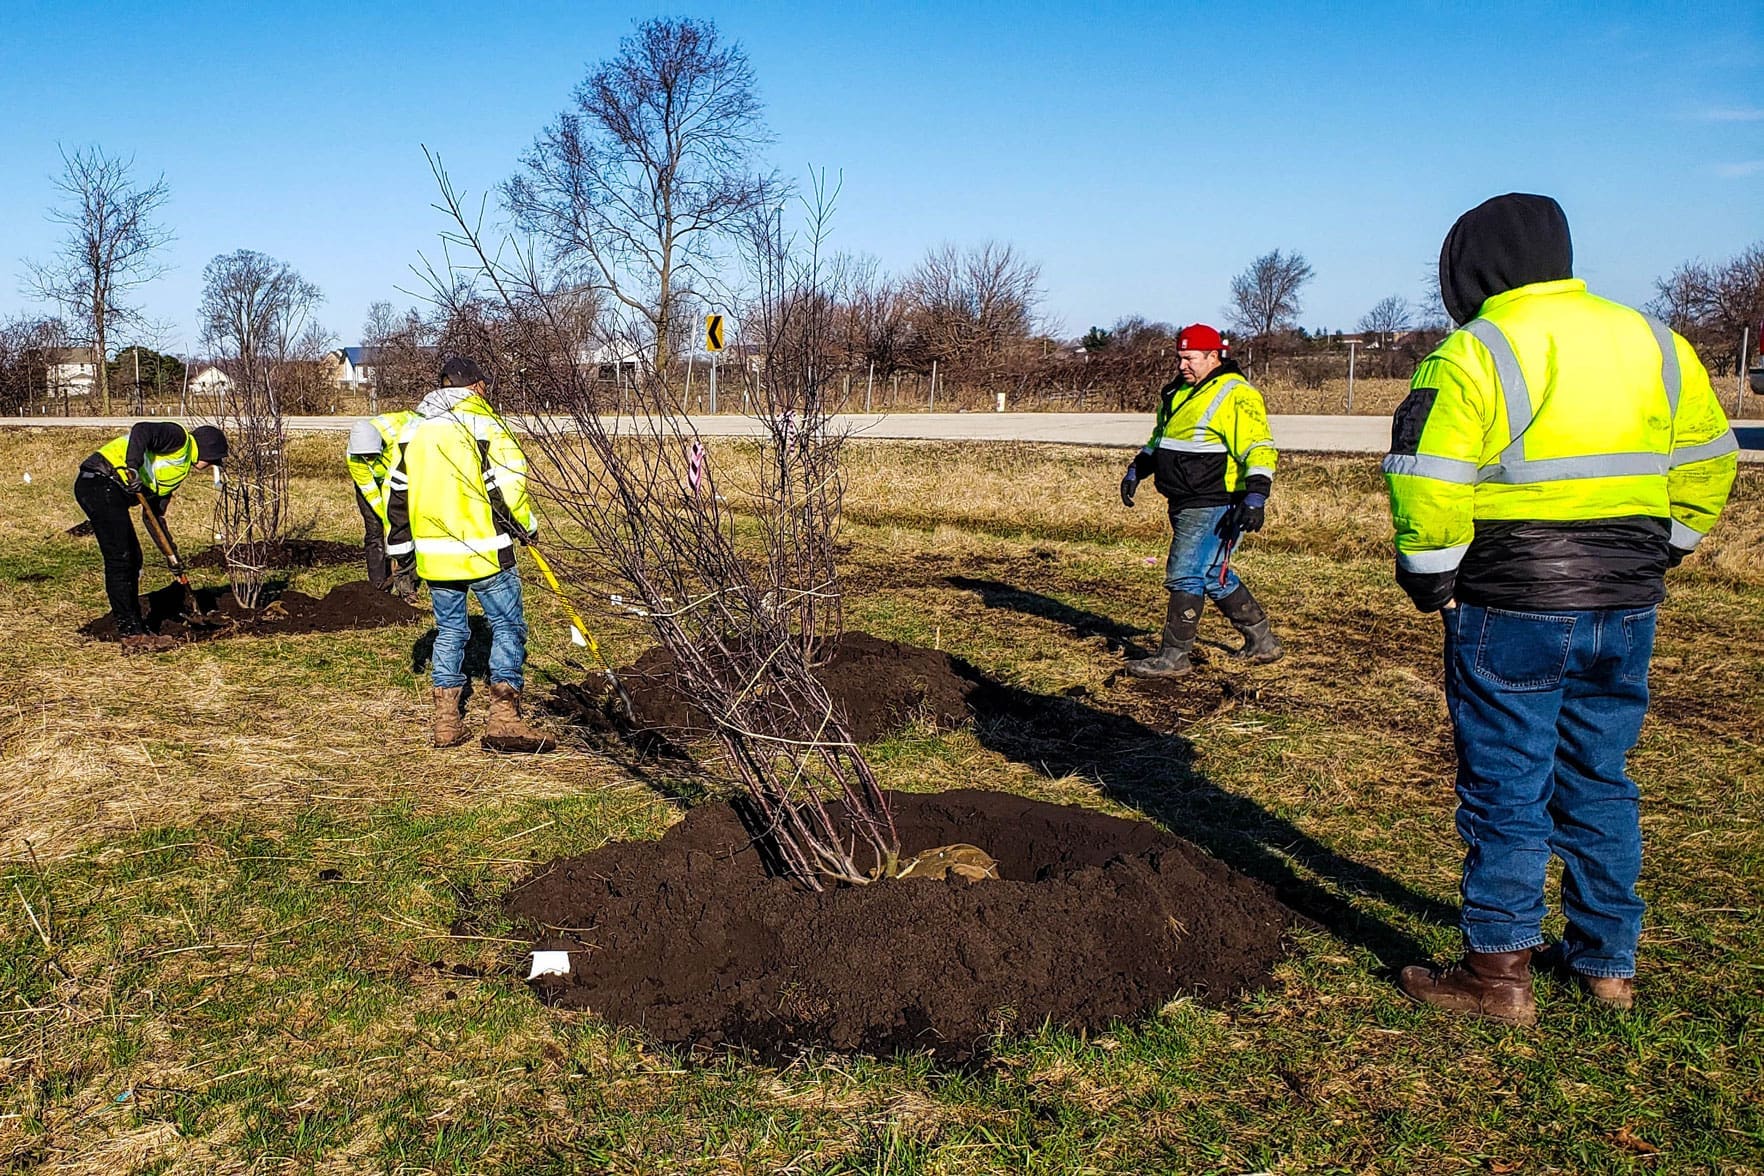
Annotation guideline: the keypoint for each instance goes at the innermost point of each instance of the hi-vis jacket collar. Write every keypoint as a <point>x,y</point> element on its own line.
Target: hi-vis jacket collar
<point>1534,290</point>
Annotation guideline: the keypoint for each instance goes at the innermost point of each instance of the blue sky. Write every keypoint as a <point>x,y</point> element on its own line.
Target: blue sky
<point>1142,153</point>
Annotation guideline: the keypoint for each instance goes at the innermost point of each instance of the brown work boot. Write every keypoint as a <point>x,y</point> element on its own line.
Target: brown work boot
<point>1181,620</point>
<point>1617,992</point>
<point>505,731</point>
<point>146,643</point>
<point>1496,985</point>
<point>450,728</point>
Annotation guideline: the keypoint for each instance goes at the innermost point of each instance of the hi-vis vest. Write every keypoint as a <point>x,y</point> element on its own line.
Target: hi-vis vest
<point>460,481</point>
<point>1222,416</point>
<point>1555,405</point>
<point>370,473</point>
<point>161,473</point>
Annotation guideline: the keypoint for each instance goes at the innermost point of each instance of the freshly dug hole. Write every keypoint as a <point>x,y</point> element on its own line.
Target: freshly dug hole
<point>878,684</point>
<point>1094,919</point>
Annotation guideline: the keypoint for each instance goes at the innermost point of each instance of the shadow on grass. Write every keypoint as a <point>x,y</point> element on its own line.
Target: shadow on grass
<point>996,594</point>
<point>477,653</point>
<point>1157,774</point>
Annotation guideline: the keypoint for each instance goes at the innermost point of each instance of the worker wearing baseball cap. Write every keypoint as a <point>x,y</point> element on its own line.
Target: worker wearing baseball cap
<point>1211,456</point>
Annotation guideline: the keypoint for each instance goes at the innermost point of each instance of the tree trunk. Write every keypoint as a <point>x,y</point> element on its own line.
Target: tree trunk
<point>98,347</point>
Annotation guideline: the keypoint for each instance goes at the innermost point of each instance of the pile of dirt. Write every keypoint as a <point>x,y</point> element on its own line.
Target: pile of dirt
<point>1093,919</point>
<point>293,554</point>
<point>878,685</point>
<point>357,605</point>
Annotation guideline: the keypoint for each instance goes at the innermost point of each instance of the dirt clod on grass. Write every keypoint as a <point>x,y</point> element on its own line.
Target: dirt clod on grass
<point>1093,919</point>
<point>357,605</point>
<point>879,685</point>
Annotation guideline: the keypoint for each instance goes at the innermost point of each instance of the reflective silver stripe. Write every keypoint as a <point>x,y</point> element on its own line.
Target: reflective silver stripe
<point>1258,445</point>
<point>1513,387</point>
<point>462,546</point>
<point>1684,538</point>
<point>400,548</point>
<point>1193,446</point>
<point>398,480</point>
<point>1720,447</point>
<point>1259,472</point>
<point>1669,373</point>
<point>1206,417</point>
<point>1440,469</point>
<point>1560,469</point>
<point>1444,559</point>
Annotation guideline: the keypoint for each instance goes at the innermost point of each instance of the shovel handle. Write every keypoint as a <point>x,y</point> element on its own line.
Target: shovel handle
<point>161,538</point>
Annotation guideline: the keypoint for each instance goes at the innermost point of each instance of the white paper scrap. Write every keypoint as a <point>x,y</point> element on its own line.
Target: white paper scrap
<point>577,637</point>
<point>27,477</point>
<point>550,963</point>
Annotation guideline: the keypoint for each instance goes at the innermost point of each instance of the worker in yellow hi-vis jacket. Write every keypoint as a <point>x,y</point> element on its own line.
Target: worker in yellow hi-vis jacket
<point>372,450</point>
<point>1555,456</point>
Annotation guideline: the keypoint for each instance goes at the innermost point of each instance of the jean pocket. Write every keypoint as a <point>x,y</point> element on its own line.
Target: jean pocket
<point>1523,651</point>
<point>1638,642</point>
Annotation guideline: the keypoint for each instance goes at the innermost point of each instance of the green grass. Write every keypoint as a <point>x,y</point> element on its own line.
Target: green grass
<point>248,922</point>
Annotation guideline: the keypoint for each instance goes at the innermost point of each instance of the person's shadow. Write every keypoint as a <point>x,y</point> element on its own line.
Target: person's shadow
<point>997,594</point>
<point>477,654</point>
<point>1159,775</point>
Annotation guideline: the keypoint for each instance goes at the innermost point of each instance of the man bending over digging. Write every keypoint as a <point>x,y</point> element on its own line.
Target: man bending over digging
<point>457,506</point>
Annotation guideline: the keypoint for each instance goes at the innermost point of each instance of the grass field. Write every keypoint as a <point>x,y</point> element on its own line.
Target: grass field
<point>248,920</point>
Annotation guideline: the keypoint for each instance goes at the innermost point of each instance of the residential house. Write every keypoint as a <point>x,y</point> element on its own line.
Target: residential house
<point>211,381</point>
<point>70,371</point>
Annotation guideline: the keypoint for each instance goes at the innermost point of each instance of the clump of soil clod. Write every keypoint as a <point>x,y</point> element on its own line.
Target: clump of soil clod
<point>879,685</point>
<point>357,605</point>
<point>1093,919</point>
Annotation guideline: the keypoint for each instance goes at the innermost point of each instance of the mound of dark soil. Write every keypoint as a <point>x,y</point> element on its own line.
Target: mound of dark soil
<point>293,553</point>
<point>357,605</point>
<point>877,684</point>
<point>1093,919</point>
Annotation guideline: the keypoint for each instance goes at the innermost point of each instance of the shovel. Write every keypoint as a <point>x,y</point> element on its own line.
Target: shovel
<point>162,539</point>
<point>579,634</point>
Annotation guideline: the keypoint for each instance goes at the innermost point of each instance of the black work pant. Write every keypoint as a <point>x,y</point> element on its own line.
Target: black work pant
<point>373,542</point>
<point>108,507</point>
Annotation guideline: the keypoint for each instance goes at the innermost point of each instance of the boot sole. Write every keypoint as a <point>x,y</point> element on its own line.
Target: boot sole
<point>513,745</point>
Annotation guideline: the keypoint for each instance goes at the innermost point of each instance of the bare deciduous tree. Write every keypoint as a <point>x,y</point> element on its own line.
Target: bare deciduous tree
<point>28,345</point>
<point>972,309</point>
<point>1715,306</point>
<point>1265,297</point>
<point>632,187</point>
<point>400,349</point>
<point>108,250</point>
<point>256,315</point>
<point>1388,318</point>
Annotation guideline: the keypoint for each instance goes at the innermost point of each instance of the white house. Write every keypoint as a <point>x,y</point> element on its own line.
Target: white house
<point>211,381</point>
<point>70,371</point>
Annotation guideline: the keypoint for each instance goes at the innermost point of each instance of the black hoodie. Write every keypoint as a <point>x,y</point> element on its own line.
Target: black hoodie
<point>1501,244</point>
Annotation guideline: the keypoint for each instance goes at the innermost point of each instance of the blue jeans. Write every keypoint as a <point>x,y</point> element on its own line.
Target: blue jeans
<point>1197,554</point>
<point>1545,707</point>
<point>500,598</point>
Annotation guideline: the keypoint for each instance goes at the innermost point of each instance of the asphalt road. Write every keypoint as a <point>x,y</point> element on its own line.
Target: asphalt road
<point>1293,434</point>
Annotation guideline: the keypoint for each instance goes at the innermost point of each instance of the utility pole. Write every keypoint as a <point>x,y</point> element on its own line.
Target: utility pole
<point>1745,363</point>
<point>933,405</point>
<point>869,385</point>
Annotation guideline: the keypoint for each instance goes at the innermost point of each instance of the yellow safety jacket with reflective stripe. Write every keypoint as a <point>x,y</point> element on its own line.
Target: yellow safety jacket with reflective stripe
<point>458,491</point>
<point>370,473</point>
<point>1555,407</point>
<point>1212,439</point>
<point>161,473</point>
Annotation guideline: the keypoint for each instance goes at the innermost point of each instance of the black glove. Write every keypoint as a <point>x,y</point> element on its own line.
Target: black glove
<point>1675,556</point>
<point>130,479</point>
<point>1248,514</point>
<point>529,537</point>
<point>1129,484</point>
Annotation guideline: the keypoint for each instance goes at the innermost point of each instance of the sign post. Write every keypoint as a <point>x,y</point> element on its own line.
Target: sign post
<point>713,343</point>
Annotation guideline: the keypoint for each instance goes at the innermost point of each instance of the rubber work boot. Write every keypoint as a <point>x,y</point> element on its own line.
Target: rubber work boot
<point>450,728</point>
<point>505,731</point>
<point>1181,620</point>
<point>146,643</point>
<point>1615,992</point>
<point>1246,616</point>
<point>1496,985</point>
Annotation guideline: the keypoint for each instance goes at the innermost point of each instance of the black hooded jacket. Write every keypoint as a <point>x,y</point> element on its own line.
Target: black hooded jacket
<point>1502,244</point>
